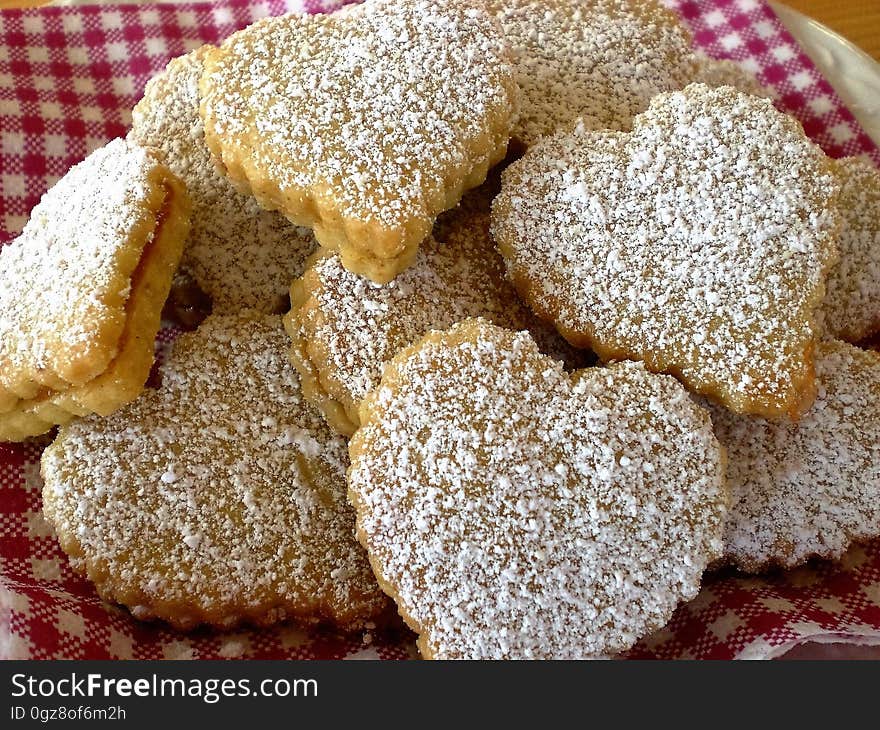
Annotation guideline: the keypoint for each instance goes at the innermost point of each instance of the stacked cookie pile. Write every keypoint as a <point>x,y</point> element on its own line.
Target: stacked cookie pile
<point>470,202</point>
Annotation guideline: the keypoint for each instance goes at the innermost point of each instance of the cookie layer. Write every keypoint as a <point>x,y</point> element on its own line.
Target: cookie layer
<point>515,511</point>
<point>219,497</point>
<point>363,126</point>
<point>699,244</point>
<point>240,255</point>
<point>812,488</point>
<point>126,374</point>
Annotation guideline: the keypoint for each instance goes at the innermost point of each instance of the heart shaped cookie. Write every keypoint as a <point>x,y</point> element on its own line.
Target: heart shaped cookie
<point>365,125</point>
<point>698,243</point>
<point>345,329</point>
<point>219,497</point>
<point>811,488</point>
<point>241,256</point>
<point>600,60</point>
<point>852,305</point>
<point>515,511</point>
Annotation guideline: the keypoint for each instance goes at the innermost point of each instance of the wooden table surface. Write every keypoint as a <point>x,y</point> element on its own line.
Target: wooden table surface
<point>858,20</point>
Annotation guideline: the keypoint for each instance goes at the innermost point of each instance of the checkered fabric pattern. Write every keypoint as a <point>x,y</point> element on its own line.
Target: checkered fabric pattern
<point>68,80</point>
<point>748,31</point>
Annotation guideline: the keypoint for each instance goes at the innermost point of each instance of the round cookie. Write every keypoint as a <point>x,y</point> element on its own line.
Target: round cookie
<point>219,497</point>
<point>240,255</point>
<point>811,488</point>
<point>600,60</point>
<point>364,125</point>
<point>852,305</point>
<point>344,329</point>
<point>698,243</point>
<point>515,511</point>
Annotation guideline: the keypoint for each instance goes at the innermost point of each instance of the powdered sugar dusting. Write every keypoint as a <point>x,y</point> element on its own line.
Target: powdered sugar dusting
<point>370,115</point>
<point>64,281</point>
<point>811,488</point>
<point>218,497</point>
<point>852,306</point>
<point>514,511</point>
<point>698,243</point>
<point>601,60</point>
<point>239,254</point>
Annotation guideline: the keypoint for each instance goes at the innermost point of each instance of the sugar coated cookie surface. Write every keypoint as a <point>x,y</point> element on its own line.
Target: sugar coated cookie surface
<point>812,488</point>
<point>219,497</point>
<point>364,125</point>
<point>82,289</point>
<point>852,305</point>
<point>602,60</point>
<point>699,244</point>
<point>240,255</point>
<point>515,511</point>
<point>344,328</point>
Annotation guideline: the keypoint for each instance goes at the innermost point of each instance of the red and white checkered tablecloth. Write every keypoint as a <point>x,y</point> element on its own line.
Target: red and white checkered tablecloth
<point>68,80</point>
